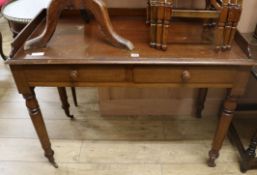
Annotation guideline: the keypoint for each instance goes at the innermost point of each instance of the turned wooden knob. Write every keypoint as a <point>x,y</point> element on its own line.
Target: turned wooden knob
<point>186,76</point>
<point>74,74</point>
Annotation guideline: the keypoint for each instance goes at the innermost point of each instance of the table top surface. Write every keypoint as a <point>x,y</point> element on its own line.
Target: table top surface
<point>75,42</point>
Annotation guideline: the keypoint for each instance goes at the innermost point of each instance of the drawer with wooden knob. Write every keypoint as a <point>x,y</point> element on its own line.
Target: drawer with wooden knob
<point>76,73</point>
<point>184,75</point>
<point>131,74</point>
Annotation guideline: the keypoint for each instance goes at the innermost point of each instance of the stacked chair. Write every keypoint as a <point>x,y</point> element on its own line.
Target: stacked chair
<point>225,13</point>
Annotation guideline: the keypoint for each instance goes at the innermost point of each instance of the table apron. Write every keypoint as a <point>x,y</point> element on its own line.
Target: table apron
<point>129,75</point>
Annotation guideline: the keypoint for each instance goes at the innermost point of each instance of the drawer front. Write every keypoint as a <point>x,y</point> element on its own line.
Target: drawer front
<point>137,74</point>
<point>76,74</point>
<point>184,75</point>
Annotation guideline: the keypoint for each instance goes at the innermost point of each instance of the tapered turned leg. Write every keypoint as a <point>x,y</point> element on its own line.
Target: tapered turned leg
<point>64,100</point>
<point>235,13</point>
<point>53,13</point>
<point>207,22</point>
<point>1,48</point>
<point>166,23</point>
<point>99,10</point>
<point>200,101</point>
<point>159,26</point>
<point>221,24</point>
<point>148,12</point>
<point>39,125</point>
<point>153,22</point>
<point>74,96</point>
<point>222,128</point>
<point>228,28</point>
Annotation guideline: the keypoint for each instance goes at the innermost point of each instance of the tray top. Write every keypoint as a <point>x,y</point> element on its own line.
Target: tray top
<point>24,10</point>
<point>75,42</point>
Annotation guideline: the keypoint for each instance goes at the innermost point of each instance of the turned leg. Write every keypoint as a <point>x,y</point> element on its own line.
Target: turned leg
<point>228,28</point>
<point>222,128</point>
<point>1,48</point>
<point>99,10</point>
<point>207,22</point>
<point>64,100</point>
<point>236,11</point>
<point>53,13</point>
<point>74,96</point>
<point>221,23</point>
<point>153,22</point>
<point>200,101</point>
<point>166,23</point>
<point>39,125</point>
<point>159,25</point>
<point>148,12</point>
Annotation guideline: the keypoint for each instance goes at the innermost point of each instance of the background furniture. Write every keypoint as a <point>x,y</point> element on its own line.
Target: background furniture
<point>19,14</point>
<point>96,7</point>
<point>226,12</point>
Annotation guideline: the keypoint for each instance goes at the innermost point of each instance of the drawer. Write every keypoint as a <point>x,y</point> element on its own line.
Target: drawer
<point>75,74</point>
<point>174,74</point>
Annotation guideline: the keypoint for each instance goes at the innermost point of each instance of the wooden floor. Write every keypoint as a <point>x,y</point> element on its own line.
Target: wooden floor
<point>96,145</point>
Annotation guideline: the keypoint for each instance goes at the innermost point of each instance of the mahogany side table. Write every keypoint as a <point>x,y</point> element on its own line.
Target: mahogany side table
<point>101,65</point>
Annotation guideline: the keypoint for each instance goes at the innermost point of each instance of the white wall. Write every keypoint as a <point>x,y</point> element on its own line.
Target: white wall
<point>248,19</point>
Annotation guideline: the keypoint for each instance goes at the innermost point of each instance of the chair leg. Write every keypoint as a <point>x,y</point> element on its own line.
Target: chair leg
<point>74,96</point>
<point>153,22</point>
<point>159,15</point>
<point>159,26</point>
<point>221,25</point>
<point>234,15</point>
<point>166,23</point>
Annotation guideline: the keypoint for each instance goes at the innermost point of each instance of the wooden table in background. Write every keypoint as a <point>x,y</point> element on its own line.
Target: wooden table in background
<point>82,58</point>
